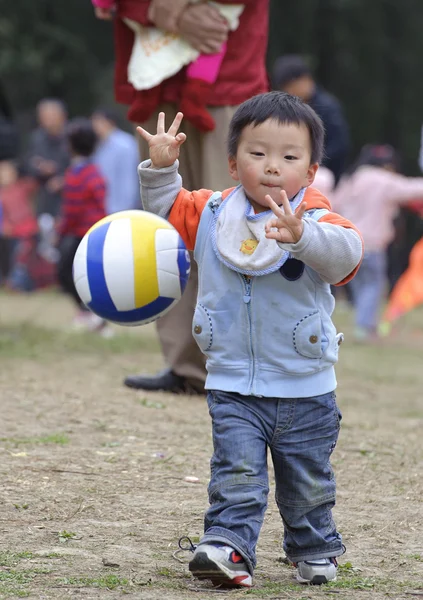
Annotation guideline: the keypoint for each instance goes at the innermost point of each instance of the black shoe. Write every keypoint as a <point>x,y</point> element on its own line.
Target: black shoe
<point>165,381</point>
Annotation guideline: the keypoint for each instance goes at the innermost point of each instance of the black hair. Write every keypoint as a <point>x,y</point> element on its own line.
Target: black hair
<point>287,68</point>
<point>81,136</point>
<point>282,108</point>
<point>108,113</point>
<point>376,155</point>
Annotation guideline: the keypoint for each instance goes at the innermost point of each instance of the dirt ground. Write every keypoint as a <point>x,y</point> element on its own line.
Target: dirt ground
<point>94,497</point>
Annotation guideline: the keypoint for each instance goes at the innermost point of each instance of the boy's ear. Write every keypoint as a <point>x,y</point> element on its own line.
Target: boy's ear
<point>311,173</point>
<point>233,168</point>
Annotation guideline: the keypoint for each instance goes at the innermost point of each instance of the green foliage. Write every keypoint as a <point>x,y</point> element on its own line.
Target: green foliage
<point>65,536</point>
<point>366,53</point>
<point>54,438</point>
<point>11,559</point>
<point>50,48</point>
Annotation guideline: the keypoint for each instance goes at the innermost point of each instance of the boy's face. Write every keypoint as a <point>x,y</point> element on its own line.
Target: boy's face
<point>272,157</point>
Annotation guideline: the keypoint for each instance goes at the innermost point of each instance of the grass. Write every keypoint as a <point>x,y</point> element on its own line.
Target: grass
<point>54,438</point>
<point>29,341</point>
<point>345,581</point>
<point>65,536</point>
<point>11,582</point>
<point>109,582</point>
<point>11,559</point>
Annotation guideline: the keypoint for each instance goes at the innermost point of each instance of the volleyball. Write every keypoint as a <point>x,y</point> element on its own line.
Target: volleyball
<point>131,267</point>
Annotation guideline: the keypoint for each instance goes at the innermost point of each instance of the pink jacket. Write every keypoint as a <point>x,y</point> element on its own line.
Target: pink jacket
<point>103,3</point>
<point>370,199</point>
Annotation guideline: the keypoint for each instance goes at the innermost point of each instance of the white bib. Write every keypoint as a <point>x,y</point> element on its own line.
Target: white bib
<point>239,237</point>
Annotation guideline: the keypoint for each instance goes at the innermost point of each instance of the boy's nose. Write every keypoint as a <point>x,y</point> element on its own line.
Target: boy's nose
<point>272,169</point>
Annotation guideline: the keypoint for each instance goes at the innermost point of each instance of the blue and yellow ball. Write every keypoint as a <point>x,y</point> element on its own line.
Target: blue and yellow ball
<point>131,267</point>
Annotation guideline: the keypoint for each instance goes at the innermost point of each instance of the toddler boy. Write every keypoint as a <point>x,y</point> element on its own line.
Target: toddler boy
<point>268,251</point>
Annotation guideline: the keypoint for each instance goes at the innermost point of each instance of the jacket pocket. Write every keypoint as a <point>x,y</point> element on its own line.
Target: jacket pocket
<point>307,336</point>
<point>202,328</point>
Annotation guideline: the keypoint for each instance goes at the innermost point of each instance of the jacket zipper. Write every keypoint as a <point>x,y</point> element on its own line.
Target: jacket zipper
<point>247,300</point>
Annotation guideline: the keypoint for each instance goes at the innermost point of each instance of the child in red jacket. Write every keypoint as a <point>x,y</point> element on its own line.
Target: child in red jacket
<point>82,206</point>
<point>19,232</point>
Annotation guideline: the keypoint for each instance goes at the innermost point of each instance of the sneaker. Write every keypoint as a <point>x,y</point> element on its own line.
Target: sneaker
<point>88,321</point>
<point>365,336</point>
<point>223,565</point>
<point>81,320</point>
<point>318,571</point>
<point>106,331</point>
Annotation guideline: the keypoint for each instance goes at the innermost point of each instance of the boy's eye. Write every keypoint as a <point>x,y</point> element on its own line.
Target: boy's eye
<point>257,153</point>
<point>290,157</point>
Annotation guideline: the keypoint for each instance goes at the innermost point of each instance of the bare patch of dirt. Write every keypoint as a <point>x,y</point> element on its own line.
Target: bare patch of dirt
<point>94,497</point>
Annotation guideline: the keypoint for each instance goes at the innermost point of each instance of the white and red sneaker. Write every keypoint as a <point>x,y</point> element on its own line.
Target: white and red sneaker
<point>317,571</point>
<point>223,565</point>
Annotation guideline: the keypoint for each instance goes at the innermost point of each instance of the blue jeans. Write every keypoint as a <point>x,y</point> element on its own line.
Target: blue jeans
<point>301,434</point>
<point>367,288</point>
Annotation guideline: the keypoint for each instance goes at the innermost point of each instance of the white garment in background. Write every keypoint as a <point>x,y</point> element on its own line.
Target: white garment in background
<point>157,55</point>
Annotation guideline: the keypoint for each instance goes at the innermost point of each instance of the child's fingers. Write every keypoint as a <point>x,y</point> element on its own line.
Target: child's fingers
<point>161,123</point>
<point>173,129</point>
<point>273,235</point>
<point>181,137</point>
<point>178,140</point>
<point>301,210</point>
<point>285,203</point>
<point>144,134</point>
<point>274,207</point>
<point>273,223</point>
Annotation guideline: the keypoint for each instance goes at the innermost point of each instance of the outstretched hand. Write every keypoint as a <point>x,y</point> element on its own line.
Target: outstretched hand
<point>287,227</point>
<point>164,146</point>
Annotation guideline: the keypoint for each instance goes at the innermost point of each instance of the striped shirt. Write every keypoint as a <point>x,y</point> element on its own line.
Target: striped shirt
<point>84,193</point>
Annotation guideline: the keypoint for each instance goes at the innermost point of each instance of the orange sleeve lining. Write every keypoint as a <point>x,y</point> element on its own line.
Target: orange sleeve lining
<point>336,219</point>
<point>186,213</point>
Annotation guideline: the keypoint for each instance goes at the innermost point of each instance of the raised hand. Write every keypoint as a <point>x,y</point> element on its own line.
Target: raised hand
<point>164,146</point>
<point>286,227</point>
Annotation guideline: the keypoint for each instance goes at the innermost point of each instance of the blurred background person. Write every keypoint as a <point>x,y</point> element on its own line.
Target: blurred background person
<point>18,225</point>
<point>47,156</point>
<point>370,195</point>
<point>9,148</point>
<point>117,157</point>
<point>84,194</point>
<point>242,74</point>
<point>292,74</point>
<point>324,181</point>
<point>408,231</point>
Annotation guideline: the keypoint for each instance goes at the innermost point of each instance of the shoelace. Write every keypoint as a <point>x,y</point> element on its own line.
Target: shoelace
<point>190,548</point>
<point>333,559</point>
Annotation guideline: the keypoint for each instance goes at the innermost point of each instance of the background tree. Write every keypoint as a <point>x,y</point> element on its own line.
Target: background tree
<point>367,52</point>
